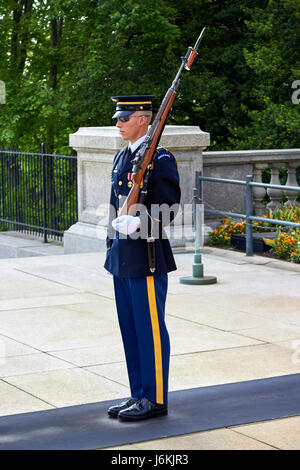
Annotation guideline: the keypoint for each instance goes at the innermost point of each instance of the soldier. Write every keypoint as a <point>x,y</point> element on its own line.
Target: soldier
<point>140,293</point>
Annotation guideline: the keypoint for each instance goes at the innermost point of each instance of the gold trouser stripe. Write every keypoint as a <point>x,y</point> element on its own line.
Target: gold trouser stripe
<point>156,339</point>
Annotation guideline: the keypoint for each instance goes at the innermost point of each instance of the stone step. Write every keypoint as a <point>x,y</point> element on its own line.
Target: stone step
<point>19,245</point>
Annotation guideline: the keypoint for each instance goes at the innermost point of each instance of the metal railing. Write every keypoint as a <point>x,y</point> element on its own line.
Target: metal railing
<point>38,192</point>
<point>249,217</point>
<point>274,166</point>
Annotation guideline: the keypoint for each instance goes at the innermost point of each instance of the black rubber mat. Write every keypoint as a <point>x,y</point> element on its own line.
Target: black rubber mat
<point>87,426</point>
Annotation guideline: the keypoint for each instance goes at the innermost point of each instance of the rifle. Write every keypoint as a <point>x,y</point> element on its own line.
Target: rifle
<point>143,160</point>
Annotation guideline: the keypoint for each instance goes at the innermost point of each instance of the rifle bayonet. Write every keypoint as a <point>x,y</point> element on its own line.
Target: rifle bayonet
<point>199,39</point>
<point>192,52</point>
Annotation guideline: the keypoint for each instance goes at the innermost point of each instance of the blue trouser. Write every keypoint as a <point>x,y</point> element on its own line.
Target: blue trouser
<point>141,311</point>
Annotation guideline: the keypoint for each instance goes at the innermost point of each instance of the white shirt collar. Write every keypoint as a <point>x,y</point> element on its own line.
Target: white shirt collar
<point>137,143</point>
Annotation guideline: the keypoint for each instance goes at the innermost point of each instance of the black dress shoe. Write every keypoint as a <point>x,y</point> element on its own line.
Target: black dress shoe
<point>114,410</point>
<point>142,409</point>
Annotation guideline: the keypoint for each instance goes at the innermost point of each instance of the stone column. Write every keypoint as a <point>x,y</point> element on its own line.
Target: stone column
<point>96,147</point>
<point>274,194</point>
<point>258,192</point>
<point>292,181</point>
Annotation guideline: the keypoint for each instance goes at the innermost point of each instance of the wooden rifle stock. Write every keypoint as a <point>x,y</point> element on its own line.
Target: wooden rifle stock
<point>145,155</point>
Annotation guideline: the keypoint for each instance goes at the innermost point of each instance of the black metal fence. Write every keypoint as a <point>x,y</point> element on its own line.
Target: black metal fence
<point>38,192</point>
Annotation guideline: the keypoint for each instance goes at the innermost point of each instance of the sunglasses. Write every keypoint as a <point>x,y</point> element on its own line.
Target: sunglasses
<point>124,118</point>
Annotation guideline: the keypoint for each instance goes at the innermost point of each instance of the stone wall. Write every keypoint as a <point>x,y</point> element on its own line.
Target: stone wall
<point>237,165</point>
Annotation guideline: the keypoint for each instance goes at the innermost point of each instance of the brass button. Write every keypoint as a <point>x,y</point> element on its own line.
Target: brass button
<point>120,195</point>
<point>129,184</point>
<point>120,183</point>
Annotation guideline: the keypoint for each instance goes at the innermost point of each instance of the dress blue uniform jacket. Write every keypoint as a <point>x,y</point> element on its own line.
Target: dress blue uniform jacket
<point>126,256</point>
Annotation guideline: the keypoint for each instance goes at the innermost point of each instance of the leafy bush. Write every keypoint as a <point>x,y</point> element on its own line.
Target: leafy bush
<point>288,213</point>
<point>221,236</point>
<point>286,245</point>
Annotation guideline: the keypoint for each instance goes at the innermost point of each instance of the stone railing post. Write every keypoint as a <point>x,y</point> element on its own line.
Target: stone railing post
<point>96,147</point>
<point>292,181</point>
<point>258,192</point>
<point>274,194</point>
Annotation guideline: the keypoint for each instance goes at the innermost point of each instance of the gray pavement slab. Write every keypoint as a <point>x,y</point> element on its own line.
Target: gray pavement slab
<point>60,342</point>
<point>12,245</point>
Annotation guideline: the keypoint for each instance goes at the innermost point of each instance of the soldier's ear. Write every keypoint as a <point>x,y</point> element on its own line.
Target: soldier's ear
<point>144,120</point>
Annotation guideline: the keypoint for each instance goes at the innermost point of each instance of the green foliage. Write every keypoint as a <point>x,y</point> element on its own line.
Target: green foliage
<point>23,189</point>
<point>289,213</point>
<point>61,60</point>
<point>286,246</point>
<point>221,236</point>
<point>274,57</point>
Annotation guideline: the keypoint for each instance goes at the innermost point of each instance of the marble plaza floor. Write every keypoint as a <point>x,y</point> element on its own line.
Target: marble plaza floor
<point>60,343</point>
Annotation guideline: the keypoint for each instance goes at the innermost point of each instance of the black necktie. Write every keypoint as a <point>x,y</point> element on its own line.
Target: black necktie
<point>125,156</point>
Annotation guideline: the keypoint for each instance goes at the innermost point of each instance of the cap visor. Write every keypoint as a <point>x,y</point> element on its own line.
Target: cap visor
<point>119,114</point>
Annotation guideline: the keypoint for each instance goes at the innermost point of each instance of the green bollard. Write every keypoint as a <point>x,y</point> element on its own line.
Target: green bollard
<point>197,277</point>
<point>198,270</point>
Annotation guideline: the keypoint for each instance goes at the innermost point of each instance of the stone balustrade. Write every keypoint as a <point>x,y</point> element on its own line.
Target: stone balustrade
<point>238,164</point>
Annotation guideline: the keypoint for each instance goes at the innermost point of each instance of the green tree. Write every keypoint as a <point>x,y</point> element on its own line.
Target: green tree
<point>61,60</point>
<point>274,58</point>
<point>211,95</point>
<point>122,57</point>
<point>78,54</point>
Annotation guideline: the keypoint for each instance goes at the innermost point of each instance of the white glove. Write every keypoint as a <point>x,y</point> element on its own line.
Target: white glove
<point>126,224</point>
